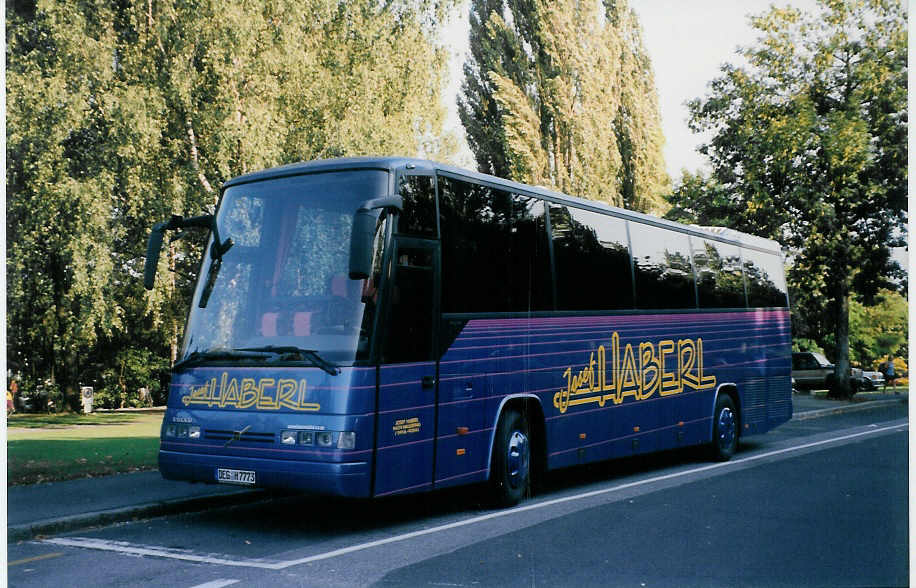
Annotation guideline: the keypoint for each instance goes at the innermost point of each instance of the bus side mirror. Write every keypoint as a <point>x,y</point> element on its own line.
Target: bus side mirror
<point>153,246</point>
<point>361,243</point>
<point>364,222</point>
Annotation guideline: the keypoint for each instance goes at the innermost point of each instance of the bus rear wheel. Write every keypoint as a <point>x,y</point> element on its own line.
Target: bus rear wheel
<point>725,429</point>
<point>510,473</point>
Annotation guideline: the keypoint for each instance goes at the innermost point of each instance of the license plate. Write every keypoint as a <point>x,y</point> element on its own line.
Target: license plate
<point>235,477</point>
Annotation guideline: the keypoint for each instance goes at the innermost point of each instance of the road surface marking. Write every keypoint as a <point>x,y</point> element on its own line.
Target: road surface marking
<point>36,558</point>
<point>217,583</point>
<point>153,551</point>
<point>123,547</point>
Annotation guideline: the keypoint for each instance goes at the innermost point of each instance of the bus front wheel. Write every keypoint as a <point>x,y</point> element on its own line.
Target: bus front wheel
<point>510,474</point>
<point>724,429</point>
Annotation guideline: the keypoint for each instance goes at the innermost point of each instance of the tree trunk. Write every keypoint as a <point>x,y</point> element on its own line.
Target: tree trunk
<point>843,385</point>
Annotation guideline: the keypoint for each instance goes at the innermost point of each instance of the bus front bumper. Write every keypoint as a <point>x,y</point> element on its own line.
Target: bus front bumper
<point>339,479</point>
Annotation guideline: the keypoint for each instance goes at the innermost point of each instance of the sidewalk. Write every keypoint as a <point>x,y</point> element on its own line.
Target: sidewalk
<point>816,404</point>
<point>59,507</point>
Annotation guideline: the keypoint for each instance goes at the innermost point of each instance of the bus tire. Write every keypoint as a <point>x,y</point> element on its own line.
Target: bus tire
<point>510,473</point>
<point>725,429</point>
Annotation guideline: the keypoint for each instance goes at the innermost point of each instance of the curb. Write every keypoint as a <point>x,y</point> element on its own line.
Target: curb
<point>813,414</point>
<point>69,523</point>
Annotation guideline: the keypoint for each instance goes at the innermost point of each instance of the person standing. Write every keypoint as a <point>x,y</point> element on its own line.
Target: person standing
<point>891,375</point>
<point>11,397</point>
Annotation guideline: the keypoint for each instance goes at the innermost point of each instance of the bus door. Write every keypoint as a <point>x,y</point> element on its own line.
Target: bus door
<point>407,376</point>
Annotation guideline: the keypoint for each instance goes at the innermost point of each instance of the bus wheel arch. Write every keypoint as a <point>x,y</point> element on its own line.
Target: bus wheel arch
<point>518,454</point>
<point>726,423</point>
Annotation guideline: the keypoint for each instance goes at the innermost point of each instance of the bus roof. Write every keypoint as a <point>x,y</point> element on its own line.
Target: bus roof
<point>392,164</point>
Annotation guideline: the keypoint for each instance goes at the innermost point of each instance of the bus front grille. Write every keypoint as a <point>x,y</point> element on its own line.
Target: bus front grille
<point>220,435</point>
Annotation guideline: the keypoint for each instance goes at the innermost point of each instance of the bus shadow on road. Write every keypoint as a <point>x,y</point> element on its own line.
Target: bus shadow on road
<point>288,515</point>
<point>623,468</point>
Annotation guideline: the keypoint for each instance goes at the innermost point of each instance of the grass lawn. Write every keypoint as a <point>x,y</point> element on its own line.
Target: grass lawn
<point>44,448</point>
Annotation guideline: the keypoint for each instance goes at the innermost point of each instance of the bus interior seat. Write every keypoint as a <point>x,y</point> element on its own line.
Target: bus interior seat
<point>301,327</point>
<point>269,324</point>
<point>302,324</point>
<point>343,287</point>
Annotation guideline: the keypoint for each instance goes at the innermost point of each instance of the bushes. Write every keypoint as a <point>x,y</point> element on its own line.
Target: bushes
<point>116,386</point>
<point>134,369</point>
<point>39,396</point>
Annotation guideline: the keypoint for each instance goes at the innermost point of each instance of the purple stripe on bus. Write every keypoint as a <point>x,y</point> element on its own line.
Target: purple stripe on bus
<point>630,436</point>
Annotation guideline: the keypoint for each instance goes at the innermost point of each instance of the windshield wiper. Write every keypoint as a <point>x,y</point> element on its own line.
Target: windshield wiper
<point>289,352</point>
<point>216,261</point>
<point>198,357</point>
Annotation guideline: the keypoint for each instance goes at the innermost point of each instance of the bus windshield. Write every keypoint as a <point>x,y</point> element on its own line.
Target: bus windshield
<point>281,291</point>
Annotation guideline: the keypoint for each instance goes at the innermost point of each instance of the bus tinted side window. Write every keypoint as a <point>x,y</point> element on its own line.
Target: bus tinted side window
<point>529,266</point>
<point>720,281</point>
<point>766,284</point>
<point>419,215</point>
<point>664,275</point>
<point>494,250</point>
<point>592,257</point>
<point>475,239</point>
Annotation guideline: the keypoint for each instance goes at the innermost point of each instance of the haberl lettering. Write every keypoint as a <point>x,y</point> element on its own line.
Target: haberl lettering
<point>264,394</point>
<point>662,368</point>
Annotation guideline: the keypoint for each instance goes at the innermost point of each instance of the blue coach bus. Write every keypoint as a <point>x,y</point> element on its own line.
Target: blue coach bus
<point>375,326</point>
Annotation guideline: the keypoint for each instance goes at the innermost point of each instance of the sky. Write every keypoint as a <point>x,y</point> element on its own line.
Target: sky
<point>687,40</point>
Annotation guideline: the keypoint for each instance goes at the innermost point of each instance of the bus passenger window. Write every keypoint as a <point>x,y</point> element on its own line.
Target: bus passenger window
<point>766,286</point>
<point>528,274</point>
<point>475,221</point>
<point>419,215</point>
<point>664,273</point>
<point>494,249</point>
<point>587,243</point>
<point>720,280</point>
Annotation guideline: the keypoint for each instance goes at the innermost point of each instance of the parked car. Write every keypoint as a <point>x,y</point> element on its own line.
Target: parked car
<point>872,380</point>
<point>812,371</point>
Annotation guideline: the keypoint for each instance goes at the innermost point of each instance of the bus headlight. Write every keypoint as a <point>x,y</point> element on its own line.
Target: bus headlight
<point>288,437</point>
<point>347,440</point>
<point>306,438</point>
<point>324,439</point>
<point>194,432</point>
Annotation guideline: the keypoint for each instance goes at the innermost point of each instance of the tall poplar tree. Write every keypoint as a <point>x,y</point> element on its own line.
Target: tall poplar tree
<point>120,113</point>
<point>562,94</point>
<point>809,146</point>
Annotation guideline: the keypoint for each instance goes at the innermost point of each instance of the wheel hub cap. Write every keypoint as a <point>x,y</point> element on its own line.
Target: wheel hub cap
<point>517,459</point>
<point>726,428</point>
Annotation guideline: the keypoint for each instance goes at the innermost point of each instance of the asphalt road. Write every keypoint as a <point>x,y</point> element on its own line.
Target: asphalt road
<point>821,502</point>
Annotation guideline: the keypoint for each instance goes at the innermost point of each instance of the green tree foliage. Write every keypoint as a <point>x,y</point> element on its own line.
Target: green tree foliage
<point>700,199</point>
<point>879,330</point>
<point>120,114</point>
<point>809,145</point>
<point>562,94</point>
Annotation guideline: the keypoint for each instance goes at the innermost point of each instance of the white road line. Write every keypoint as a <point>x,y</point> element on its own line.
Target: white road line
<point>123,547</point>
<point>152,551</point>
<point>216,584</point>
<point>503,513</point>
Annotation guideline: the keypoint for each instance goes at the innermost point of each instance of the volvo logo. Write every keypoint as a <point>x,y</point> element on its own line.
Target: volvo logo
<point>237,435</point>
